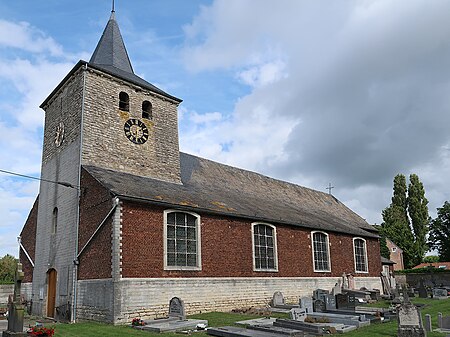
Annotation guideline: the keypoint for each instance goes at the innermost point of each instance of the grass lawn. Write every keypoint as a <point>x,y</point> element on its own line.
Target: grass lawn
<point>216,319</point>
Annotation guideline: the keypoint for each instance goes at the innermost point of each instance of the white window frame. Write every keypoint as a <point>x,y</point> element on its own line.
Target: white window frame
<point>328,253</point>
<point>198,239</point>
<point>275,250</point>
<point>365,255</point>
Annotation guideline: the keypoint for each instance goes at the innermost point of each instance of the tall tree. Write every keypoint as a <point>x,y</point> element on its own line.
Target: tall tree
<point>7,268</point>
<point>418,213</point>
<point>396,222</point>
<point>439,238</point>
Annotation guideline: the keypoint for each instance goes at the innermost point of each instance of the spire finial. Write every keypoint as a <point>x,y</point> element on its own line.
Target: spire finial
<point>112,11</point>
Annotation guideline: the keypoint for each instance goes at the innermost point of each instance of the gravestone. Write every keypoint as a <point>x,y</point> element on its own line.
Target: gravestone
<point>440,293</point>
<point>345,301</point>
<point>319,306</point>
<point>278,299</point>
<point>337,289</point>
<point>15,308</point>
<point>297,314</point>
<point>422,290</point>
<point>427,324</point>
<point>306,303</point>
<point>445,322</point>
<point>318,294</point>
<point>330,302</point>
<point>409,321</point>
<point>439,319</point>
<point>176,308</point>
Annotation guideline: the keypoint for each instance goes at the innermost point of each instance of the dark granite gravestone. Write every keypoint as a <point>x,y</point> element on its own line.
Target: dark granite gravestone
<point>319,305</point>
<point>443,323</point>
<point>409,321</point>
<point>176,308</point>
<point>345,301</point>
<point>422,290</point>
<point>15,308</point>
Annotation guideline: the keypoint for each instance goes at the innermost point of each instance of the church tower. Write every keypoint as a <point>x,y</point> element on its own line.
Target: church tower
<point>103,115</point>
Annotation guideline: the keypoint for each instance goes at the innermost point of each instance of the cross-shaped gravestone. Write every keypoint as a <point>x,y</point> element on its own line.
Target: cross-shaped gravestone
<point>15,307</point>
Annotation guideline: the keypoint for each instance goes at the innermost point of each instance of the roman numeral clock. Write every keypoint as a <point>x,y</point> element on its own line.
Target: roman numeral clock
<point>136,131</point>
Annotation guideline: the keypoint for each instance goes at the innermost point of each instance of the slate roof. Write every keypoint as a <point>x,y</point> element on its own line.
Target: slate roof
<point>216,188</point>
<point>111,57</point>
<point>387,261</point>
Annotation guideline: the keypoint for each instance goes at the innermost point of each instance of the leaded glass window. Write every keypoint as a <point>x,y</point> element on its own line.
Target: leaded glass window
<point>320,250</point>
<point>182,240</point>
<point>264,240</point>
<point>360,255</point>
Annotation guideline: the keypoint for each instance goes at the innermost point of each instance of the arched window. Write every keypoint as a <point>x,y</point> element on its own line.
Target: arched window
<point>124,101</point>
<point>182,240</point>
<point>55,220</point>
<point>147,110</point>
<point>264,247</point>
<point>321,253</point>
<point>360,253</point>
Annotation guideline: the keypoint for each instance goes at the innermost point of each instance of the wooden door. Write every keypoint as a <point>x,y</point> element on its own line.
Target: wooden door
<point>51,293</point>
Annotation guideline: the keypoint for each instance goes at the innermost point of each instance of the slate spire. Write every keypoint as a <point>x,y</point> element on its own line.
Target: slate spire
<point>110,50</point>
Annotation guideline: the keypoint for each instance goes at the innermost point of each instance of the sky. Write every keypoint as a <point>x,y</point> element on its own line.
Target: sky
<point>308,91</point>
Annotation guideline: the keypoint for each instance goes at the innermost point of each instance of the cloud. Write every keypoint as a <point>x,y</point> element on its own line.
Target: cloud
<point>350,93</point>
<point>28,56</point>
<point>26,37</point>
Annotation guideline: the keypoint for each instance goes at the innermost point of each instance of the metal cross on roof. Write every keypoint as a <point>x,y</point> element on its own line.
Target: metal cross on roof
<point>329,188</point>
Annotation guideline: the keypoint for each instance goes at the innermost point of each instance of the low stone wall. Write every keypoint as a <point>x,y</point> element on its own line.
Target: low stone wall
<point>5,291</point>
<point>149,298</point>
<point>430,279</point>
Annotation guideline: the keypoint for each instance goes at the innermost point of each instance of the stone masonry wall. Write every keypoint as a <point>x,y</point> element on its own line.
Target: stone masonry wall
<point>149,298</point>
<point>105,144</point>
<point>55,249</point>
<point>226,248</point>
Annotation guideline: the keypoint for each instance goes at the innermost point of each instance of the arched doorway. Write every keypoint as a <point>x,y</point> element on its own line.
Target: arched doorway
<point>51,292</point>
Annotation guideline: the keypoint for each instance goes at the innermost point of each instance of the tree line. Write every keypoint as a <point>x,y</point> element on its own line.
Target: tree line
<point>407,223</point>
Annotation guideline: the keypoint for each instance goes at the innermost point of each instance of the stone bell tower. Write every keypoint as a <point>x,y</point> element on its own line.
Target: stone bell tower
<point>101,114</point>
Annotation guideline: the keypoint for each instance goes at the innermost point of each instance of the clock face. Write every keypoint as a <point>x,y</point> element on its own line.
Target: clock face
<point>136,131</point>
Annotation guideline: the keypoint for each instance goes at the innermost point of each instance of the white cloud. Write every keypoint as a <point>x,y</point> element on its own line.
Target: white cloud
<point>260,75</point>
<point>26,37</point>
<point>350,93</point>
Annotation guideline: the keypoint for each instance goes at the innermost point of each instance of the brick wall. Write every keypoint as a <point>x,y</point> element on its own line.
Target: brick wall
<point>28,238</point>
<point>95,203</point>
<point>226,248</point>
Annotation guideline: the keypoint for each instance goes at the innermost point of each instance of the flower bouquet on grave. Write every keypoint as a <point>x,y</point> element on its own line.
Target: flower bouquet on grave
<point>137,322</point>
<point>41,331</point>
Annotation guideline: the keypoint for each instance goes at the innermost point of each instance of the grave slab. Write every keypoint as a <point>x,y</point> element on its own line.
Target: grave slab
<point>257,321</point>
<point>231,331</point>
<point>172,325</point>
<point>343,319</point>
<point>298,325</point>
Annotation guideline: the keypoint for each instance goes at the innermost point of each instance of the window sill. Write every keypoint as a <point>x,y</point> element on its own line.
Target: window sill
<point>266,270</point>
<point>322,271</point>
<point>183,268</point>
<point>361,272</point>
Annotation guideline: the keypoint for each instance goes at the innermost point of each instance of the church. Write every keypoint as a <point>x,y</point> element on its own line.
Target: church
<point>124,221</point>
